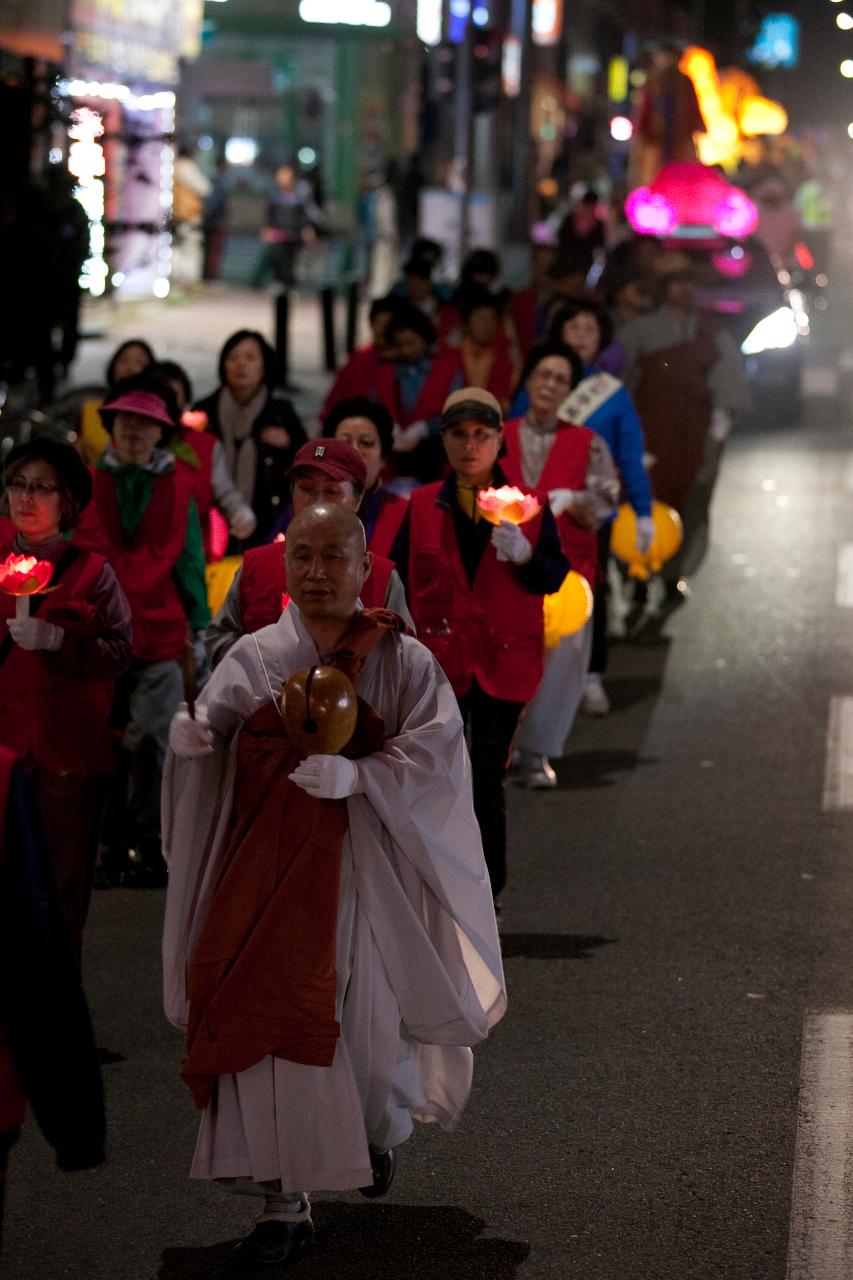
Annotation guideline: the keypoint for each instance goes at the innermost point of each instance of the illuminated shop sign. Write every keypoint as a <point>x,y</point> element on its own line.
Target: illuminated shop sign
<point>349,13</point>
<point>778,41</point>
<point>135,40</point>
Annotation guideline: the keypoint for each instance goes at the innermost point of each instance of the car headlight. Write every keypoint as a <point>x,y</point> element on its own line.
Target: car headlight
<point>773,333</point>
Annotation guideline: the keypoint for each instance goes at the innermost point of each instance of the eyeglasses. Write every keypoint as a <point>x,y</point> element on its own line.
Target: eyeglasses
<point>474,437</point>
<point>38,488</point>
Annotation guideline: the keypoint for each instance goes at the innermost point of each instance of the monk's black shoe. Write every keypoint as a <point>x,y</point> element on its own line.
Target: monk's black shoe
<point>274,1243</point>
<point>384,1166</point>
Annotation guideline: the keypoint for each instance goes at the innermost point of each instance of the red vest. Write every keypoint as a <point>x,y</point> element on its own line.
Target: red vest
<point>358,377</point>
<point>491,631</point>
<point>202,444</point>
<point>435,390</point>
<point>392,513</point>
<point>144,564</point>
<point>48,715</point>
<point>263,586</point>
<point>565,468</point>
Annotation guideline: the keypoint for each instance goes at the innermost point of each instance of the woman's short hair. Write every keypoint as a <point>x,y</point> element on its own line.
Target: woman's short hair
<point>572,309</point>
<point>411,319</point>
<point>542,351</point>
<point>170,371</point>
<point>361,407</point>
<point>269,356</point>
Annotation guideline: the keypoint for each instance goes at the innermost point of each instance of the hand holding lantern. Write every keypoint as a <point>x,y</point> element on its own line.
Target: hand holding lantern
<point>507,503</point>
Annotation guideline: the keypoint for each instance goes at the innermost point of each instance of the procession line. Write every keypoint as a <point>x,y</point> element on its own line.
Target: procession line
<point>820,1245</point>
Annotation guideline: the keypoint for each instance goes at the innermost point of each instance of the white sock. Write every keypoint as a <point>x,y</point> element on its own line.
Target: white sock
<point>287,1207</point>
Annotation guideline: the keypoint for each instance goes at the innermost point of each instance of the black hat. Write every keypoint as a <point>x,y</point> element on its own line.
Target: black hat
<point>64,459</point>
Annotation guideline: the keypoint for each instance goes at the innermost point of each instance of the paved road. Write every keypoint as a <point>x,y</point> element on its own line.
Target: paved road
<point>676,909</point>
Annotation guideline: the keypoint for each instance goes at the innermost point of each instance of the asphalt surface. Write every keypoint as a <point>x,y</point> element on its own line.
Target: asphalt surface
<point>674,910</point>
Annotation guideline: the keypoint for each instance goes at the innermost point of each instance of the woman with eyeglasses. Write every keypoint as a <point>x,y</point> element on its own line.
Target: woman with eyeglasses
<point>475,592</point>
<point>573,465</point>
<point>58,665</point>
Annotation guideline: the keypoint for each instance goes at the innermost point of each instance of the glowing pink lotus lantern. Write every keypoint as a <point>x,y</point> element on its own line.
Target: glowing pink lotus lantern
<point>22,577</point>
<point>691,194</point>
<point>195,419</point>
<point>507,503</point>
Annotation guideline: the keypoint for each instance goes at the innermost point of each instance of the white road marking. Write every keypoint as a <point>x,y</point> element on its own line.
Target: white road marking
<point>844,581</point>
<point>820,1245</point>
<point>838,774</point>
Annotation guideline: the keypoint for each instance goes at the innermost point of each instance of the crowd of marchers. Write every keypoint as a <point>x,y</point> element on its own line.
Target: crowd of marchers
<point>364,544</point>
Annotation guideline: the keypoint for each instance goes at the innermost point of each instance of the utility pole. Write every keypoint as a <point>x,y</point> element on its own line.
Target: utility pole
<point>522,29</point>
<point>463,130</point>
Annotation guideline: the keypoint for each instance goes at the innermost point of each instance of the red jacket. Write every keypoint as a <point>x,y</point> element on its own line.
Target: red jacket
<point>53,714</point>
<point>202,444</point>
<point>565,468</point>
<point>144,564</point>
<point>263,586</point>
<point>358,377</point>
<point>503,374</point>
<point>391,514</point>
<point>491,632</point>
<point>446,367</point>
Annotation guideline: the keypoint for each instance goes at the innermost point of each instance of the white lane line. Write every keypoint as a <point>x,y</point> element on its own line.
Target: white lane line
<point>820,1245</point>
<point>844,581</point>
<point>838,774</point>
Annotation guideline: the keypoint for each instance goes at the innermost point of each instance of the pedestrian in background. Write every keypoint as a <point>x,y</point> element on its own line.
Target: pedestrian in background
<point>191,187</point>
<point>260,430</point>
<point>292,221</point>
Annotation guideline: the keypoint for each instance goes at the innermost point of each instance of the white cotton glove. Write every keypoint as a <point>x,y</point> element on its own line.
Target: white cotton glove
<point>327,777</point>
<point>561,500</point>
<point>35,633</point>
<point>191,738</point>
<point>408,438</point>
<point>721,424</point>
<point>645,533</point>
<point>243,524</point>
<point>510,543</point>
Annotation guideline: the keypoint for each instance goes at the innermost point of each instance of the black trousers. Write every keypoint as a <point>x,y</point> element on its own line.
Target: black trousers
<point>491,724</point>
<point>598,655</point>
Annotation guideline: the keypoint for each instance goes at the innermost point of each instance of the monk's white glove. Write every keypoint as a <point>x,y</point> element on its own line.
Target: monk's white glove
<point>510,543</point>
<point>327,777</point>
<point>561,500</point>
<point>408,438</point>
<point>35,633</point>
<point>645,533</point>
<point>191,738</point>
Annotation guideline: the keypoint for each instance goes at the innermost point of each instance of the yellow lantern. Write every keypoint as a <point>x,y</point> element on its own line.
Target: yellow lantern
<point>665,543</point>
<point>219,577</point>
<point>568,609</point>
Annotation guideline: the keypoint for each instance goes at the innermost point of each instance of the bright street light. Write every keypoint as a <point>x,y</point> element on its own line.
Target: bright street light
<point>844,21</point>
<point>846,68</point>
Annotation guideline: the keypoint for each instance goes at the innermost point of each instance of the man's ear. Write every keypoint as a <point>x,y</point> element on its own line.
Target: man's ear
<point>368,564</point>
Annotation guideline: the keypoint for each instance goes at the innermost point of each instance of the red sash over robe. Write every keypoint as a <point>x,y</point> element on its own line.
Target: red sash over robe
<point>262,979</point>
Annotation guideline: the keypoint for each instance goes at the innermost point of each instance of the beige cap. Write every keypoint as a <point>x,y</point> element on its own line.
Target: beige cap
<point>473,404</point>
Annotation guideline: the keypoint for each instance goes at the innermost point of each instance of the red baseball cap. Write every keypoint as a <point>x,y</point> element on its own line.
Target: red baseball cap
<point>333,457</point>
<point>146,403</point>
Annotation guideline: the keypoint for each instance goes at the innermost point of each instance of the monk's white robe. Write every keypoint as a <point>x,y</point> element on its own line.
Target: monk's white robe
<point>419,974</point>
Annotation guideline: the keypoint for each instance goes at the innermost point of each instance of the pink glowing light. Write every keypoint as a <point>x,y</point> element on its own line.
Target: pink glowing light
<point>649,213</point>
<point>732,268</point>
<point>736,216</point>
<point>508,503</point>
<point>219,534</point>
<point>24,575</point>
<point>194,419</point>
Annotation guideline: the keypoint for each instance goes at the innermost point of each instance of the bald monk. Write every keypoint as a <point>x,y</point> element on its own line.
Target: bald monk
<point>330,942</point>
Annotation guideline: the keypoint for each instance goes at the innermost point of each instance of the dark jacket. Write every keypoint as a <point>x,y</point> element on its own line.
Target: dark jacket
<point>43,1014</point>
<point>272,488</point>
